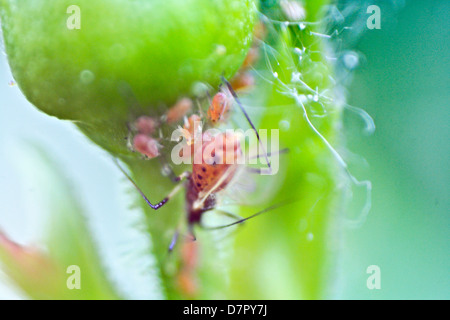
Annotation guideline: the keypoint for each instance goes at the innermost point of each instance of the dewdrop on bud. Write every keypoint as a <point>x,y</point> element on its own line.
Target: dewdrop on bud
<point>295,76</point>
<point>199,89</point>
<point>298,51</point>
<point>165,170</point>
<point>284,125</point>
<point>351,60</point>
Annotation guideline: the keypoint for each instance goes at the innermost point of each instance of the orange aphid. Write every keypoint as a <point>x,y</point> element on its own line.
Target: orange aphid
<point>219,107</point>
<point>251,58</point>
<point>179,110</point>
<point>189,255</point>
<point>187,280</point>
<point>187,283</point>
<point>260,31</point>
<point>242,81</point>
<point>218,156</point>
<point>146,145</point>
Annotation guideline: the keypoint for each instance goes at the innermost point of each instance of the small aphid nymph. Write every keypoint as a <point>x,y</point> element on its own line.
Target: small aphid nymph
<point>220,105</point>
<point>146,145</point>
<point>146,125</point>
<point>179,110</point>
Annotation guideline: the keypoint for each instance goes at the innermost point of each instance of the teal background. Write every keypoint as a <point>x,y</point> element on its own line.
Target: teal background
<point>403,83</point>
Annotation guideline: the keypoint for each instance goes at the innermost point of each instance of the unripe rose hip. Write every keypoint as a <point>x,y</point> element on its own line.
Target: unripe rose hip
<point>105,63</point>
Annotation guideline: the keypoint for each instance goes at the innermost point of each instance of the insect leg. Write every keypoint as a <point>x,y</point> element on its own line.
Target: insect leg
<point>229,214</point>
<point>259,170</point>
<point>158,205</point>
<point>282,151</point>
<point>225,213</point>
<point>273,207</point>
<point>176,236</point>
<point>174,240</point>
<point>167,169</point>
<point>236,98</point>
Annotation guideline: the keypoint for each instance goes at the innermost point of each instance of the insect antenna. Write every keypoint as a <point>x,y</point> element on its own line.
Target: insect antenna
<point>236,98</point>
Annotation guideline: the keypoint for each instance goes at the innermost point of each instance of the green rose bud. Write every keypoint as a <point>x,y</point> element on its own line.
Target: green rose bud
<point>104,63</point>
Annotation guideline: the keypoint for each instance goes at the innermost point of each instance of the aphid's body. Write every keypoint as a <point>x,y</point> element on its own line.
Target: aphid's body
<point>219,108</point>
<point>242,81</point>
<point>144,141</point>
<point>179,110</point>
<point>146,145</point>
<point>212,174</point>
<point>194,214</point>
<point>146,125</point>
<point>215,162</point>
<point>215,157</point>
<point>186,278</point>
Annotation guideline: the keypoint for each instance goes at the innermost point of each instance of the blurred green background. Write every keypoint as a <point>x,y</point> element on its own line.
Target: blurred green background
<point>402,81</point>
